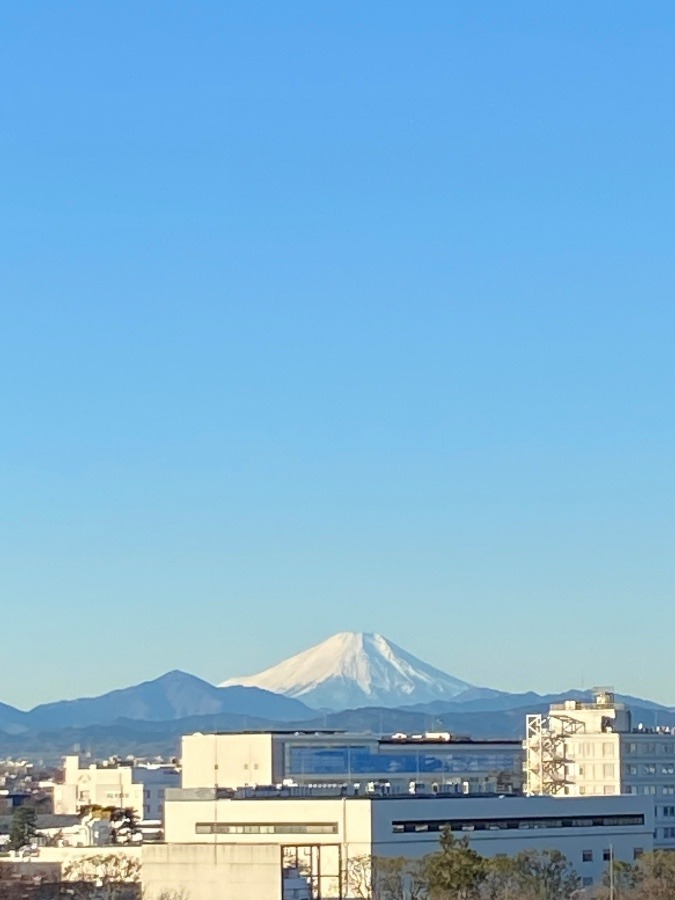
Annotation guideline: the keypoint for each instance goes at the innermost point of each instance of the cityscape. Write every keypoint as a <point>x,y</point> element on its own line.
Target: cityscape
<point>296,808</point>
<point>337,428</point>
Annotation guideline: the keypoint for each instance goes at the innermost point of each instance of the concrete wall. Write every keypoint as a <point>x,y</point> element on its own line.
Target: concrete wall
<point>351,820</point>
<point>227,760</point>
<point>573,842</point>
<point>236,872</point>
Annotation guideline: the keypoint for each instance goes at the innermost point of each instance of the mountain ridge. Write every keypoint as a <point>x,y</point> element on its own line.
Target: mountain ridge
<point>352,669</point>
<point>174,695</point>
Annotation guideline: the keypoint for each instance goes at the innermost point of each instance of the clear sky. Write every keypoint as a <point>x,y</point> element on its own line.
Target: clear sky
<point>337,316</point>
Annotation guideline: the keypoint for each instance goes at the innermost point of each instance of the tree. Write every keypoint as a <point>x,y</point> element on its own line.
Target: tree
<point>358,876</point>
<point>124,828</point>
<point>505,881</point>
<point>456,871</point>
<point>655,876</point>
<point>625,877</point>
<point>398,878</point>
<point>548,873</point>
<point>112,873</point>
<point>24,827</point>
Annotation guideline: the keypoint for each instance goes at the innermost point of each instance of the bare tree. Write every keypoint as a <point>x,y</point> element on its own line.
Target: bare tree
<point>111,873</point>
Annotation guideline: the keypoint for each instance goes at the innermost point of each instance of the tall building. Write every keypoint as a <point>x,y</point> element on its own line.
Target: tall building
<point>581,748</point>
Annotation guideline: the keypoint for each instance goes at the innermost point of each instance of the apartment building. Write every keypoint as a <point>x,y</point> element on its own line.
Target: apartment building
<point>589,749</point>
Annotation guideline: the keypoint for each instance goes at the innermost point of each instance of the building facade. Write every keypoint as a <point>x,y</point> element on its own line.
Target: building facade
<point>327,842</point>
<point>590,749</point>
<point>117,784</point>
<point>398,764</point>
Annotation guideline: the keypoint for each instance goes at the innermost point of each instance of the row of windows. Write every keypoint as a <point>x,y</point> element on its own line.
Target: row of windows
<point>651,789</point>
<point>608,790</point>
<point>587,855</point>
<point>266,828</point>
<point>507,824</point>
<point>650,747</point>
<point>367,760</point>
<point>650,769</point>
<point>590,749</point>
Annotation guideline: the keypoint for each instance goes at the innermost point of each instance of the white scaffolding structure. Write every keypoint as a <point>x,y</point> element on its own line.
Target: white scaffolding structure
<point>546,758</point>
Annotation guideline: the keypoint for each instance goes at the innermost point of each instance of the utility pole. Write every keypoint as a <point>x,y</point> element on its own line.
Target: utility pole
<point>611,872</point>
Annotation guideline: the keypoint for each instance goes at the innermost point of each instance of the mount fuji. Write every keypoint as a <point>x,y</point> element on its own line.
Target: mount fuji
<point>352,670</point>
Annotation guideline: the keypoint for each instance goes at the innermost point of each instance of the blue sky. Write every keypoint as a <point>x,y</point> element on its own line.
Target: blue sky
<point>337,316</point>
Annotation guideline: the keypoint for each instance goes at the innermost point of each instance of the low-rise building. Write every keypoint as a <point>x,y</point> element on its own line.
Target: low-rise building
<point>117,783</point>
<point>401,763</point>
<point>259,842</point>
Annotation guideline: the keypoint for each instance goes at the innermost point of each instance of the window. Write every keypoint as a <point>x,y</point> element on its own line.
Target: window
<point>669,812</point>
<point>608,789</point>
<point>631,770</point>
<point>668,789</point>
<point>608,749</point>
<point>606,855</point>
<point>631,789</point>
<point>608,770</point>
<point>457,825</point>
<point>668,769</point>
<point>650,769</point>
<point>631,748</point>
<point>649,789</point>
<point>669,832</point>
<point>587,856</point>
<point>266,828</point>
<point>587,881</point>
<point>637,852</point>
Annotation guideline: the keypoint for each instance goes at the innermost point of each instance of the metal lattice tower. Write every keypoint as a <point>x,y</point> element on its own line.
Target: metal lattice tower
<point>545,753</point>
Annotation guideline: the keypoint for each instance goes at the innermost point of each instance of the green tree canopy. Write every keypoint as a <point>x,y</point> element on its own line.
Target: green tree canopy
<point>24,822</point>
<point>456,871</point>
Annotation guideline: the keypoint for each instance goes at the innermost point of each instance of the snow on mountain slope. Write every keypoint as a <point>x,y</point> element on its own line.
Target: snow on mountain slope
<point>352,669</point>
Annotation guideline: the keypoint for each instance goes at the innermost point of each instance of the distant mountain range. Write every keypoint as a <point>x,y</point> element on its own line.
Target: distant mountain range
<point>176,695</point>
<point>360,682</point>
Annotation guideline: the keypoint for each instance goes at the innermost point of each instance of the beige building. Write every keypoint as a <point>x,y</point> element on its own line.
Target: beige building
<point>589,749</point>
<point>115,784</point>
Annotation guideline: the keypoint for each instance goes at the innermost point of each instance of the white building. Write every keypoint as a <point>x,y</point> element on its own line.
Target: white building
<point>590,749</point>
<point>274,843</point>
<point>211,839</point>
<point>118,784</point>
<point>399,764</point>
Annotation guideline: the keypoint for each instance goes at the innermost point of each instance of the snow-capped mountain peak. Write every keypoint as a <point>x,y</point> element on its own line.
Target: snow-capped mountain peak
<point>353,669</point>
